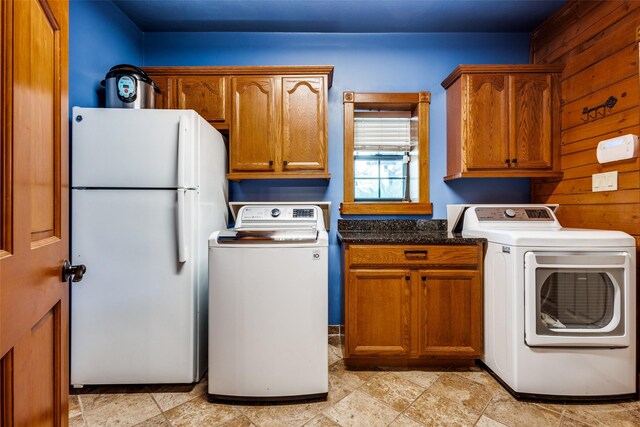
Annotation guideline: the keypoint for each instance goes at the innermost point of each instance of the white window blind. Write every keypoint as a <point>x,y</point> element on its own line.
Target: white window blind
<point>382,133</point>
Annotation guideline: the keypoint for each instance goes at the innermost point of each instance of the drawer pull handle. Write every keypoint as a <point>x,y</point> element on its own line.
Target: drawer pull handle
<point>415,255</point>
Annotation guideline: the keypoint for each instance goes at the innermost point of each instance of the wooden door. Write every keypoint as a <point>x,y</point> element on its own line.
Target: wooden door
<point>530,116</point>
<point>254,125</point>
<point>204,94</point>
<point>378,313</point>
<point>304,124</point>
<point>450,313</point>
<point>34,303</point>
<point>486,128</point>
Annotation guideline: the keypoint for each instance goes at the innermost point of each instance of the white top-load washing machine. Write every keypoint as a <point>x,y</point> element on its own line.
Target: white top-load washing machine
<point>559,303</point>
<point>268,305</point>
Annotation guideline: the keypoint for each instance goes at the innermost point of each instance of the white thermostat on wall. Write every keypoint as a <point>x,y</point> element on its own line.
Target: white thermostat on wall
<point>618,148</point>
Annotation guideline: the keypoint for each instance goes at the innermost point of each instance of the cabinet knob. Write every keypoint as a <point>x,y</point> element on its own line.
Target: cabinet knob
<point>514,160</point>
<point>407,278</point>
<point>424,278</point>
<point>285,162</point>
<point>270,162</point>
<point>507,161</point>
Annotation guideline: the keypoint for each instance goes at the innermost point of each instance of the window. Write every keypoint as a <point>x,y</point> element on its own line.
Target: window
<point>386,144</point>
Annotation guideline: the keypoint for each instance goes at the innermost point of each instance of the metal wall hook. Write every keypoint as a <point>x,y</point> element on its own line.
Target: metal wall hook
<point>592,113</point>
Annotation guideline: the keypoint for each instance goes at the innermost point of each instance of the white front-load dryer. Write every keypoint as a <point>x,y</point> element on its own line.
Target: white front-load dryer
<point>560,304</point>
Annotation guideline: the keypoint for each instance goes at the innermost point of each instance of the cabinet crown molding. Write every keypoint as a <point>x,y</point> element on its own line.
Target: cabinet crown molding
<point>499,68</point>
<point>248,70</point>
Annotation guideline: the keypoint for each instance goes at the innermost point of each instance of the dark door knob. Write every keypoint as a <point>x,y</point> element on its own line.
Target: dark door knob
<point>73,272</point>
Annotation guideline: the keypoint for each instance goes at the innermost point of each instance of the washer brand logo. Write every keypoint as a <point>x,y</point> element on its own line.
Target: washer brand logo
<point>316,255</point>
<point>506,249</point>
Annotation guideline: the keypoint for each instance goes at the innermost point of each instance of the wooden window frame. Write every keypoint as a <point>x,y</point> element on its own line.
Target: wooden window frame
<point>416,102</point>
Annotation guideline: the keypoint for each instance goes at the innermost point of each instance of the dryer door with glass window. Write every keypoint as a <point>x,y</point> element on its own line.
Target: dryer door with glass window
<point>577,299</point>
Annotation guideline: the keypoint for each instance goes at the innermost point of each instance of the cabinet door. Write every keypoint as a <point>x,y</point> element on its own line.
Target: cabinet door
<point>304,124</point>
<point>253,124</point>
<point>378,313</point>
<point>166,98</point>
<point>486,128</point>
<point>530,118</point>
<point>204,94</point>
<point>450,313</point>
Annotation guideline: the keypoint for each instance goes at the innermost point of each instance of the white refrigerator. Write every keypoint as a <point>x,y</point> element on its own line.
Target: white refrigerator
<point>148,188</point>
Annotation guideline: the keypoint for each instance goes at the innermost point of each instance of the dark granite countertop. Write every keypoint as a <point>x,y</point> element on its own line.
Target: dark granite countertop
<point>400,231</point>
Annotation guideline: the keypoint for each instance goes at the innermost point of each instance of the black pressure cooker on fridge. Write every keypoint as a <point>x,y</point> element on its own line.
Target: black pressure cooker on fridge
<point>128,86</point>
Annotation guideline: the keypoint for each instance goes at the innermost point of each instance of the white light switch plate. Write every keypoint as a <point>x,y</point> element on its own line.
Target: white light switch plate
<point>607,181</point>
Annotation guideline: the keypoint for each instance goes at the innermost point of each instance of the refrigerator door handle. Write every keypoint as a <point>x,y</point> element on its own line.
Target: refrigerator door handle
<point>182,244</point>
<point>182,136</point>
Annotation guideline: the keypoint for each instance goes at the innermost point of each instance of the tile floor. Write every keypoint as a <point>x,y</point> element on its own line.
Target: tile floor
<point>401,398</point>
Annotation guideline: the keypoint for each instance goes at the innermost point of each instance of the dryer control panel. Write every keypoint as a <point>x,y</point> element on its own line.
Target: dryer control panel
<point>514,214</point>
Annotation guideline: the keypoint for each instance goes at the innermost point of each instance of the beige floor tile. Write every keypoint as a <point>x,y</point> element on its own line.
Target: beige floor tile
<point>436,410</point>
<point>555,407</point>
<point>392,390</point>
<point>335,354</point>
<point>451,400</point>
<point>472,395</point>
<point>360,409</point>
<point>568,422</point>
<point>74,406</point>
<point>201,412</point>
<point>488,422</point>
<point>404,421</point>
<point>292,415</point>
<point>339,388</point>
<point>157,421</point>
<point>240,421</point>
<point>168,397</point>
<point>77,421</point>
<point>615,414</point>
<point>423,378</point>
<point>118,409</point>
<point>335,340</point>
<point>321,421</point>
<point>482,377</point>
<point>354,377</point>
<point>509,411</point>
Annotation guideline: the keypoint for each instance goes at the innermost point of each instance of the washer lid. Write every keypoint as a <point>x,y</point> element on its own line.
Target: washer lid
<point>290,235</point>
<point>580,238</point>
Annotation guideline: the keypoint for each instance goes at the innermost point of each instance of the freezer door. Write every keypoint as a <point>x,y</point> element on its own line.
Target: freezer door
<point>117,148</point>
<point>133,317</point>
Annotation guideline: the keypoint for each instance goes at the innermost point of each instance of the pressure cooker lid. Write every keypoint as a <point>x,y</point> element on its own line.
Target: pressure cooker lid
<point>127,69</point>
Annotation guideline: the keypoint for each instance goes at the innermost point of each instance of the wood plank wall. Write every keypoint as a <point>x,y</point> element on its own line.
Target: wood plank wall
<point>597,42</point>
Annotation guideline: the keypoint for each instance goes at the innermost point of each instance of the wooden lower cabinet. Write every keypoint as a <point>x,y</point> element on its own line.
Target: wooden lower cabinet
<point>380,312</point>
<point>450,313</point>
<point>424,308</point>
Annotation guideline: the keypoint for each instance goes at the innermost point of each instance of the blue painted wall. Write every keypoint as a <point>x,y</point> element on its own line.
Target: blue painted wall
<point>363,63</point>
<point>100,36</point>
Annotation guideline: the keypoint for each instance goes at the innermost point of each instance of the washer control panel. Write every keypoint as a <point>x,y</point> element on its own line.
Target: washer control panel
<point>271,213</point>
<point>514,214</point>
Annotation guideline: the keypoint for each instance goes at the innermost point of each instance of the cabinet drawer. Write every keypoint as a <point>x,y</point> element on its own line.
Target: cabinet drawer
<point>413,255</point>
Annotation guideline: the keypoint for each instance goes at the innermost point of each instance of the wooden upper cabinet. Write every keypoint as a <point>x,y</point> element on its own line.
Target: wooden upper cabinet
<point>304,124</point>
<point>503,121</point>
<point>204,94</point>
<point>487,122</point>
<point>531,114</point>
<point>254,130</point>
<point>166,98</point>
<point>275,116</point>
